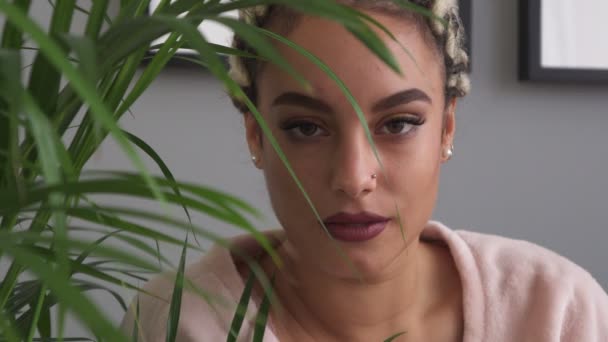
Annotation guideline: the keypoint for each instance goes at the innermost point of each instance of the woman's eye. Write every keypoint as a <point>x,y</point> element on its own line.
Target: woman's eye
<point>308,129</point>
<point>304,129</point>
<point>400,126</point>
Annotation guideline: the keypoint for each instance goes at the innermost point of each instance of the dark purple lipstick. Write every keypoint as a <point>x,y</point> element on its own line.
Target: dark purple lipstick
<point>355,227</point>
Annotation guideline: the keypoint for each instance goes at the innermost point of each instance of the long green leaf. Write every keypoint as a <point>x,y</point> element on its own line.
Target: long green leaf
<point>84,254</point>
<point>178,7</point>
<point>50,149</point>
<point>221,49</point>
<point>222,199</point>
<point>11,97</point>
<point>124,38</point>
<point>65,339</point>
<point>36,313</point>
<point>125,273</point>
<point>393,337</point>
<point>262,317</point>
<point>89,286</point>
<point>91,25</point>
<point>45,76</point>
<point>33,244</point>
<point>135,331</point>
<point>44,322</point>
<point>131,9</point>
<point>262,45</point>
<point>159,162</point>
<point>96,17</point>
<point>176,298</point>
<point>184,58</point>
<point>153,69</point>
<point>84,48</point>
<point>100,217</point>
<point>12,36</point>
<point>241,310</point>
<point>46,142</point>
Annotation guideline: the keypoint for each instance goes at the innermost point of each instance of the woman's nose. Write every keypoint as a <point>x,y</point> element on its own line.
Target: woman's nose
<point>354,168</point>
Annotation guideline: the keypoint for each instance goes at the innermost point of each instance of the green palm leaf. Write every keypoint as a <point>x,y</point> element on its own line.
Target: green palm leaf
<point>262,317</point>
<point>394,337</point>
<point>241,310</point>
<point>176,299</point>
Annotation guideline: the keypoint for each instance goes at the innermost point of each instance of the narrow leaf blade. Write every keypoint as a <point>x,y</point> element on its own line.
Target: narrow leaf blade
<point>176,298</point>
<point>241,310</point>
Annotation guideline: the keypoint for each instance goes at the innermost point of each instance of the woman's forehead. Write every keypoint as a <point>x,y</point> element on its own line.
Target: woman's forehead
<point>354,63</point>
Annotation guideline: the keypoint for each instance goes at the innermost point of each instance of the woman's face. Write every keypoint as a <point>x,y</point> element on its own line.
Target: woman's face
<point>327,147</point>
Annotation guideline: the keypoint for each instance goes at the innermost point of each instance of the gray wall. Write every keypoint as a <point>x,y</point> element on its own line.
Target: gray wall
<point>530,160</point>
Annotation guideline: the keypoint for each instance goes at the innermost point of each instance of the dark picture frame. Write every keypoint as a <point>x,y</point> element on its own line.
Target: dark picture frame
<point>530,44</point>
<point>466,14</point>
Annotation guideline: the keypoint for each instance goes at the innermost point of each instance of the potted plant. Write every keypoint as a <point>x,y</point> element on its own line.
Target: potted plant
<point>88,81</point>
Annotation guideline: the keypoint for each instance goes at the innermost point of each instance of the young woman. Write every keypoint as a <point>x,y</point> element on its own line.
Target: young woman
<point>382,266</point>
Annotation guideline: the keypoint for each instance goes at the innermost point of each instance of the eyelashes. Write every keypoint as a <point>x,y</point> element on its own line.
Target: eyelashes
<point>401,125</point>
<point>397,126</point>
<point>303,129</point>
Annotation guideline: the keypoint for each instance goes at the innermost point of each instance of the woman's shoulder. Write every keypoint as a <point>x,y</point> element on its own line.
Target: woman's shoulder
<point>521,259</point>
<point>209,298</point>
<point>508,257</point>
<point>531,288</point>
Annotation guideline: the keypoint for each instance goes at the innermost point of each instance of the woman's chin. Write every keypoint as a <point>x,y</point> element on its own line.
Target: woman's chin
<point>368,258</point>
<point>356,262</point>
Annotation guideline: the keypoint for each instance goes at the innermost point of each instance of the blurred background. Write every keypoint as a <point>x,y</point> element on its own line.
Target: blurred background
<point>531,159</point>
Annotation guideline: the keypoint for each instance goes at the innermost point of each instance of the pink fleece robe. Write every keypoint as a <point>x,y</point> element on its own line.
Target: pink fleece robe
<point>513,290</point>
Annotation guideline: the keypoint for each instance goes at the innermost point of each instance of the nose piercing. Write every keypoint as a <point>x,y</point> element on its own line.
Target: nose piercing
<point>374,176</point>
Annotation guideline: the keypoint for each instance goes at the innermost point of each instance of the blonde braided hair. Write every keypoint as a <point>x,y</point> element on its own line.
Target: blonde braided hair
<point>449,38</point>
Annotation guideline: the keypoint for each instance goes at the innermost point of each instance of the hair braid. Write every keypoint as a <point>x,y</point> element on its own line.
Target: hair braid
<point>449,36</point>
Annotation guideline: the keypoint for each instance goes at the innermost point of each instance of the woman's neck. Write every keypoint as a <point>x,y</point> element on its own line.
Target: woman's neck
<point>325,307</point>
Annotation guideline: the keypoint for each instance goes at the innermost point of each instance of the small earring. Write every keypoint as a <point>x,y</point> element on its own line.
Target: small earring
<point>254,159</point>
<point>449,152</point>
<point>374,176</point>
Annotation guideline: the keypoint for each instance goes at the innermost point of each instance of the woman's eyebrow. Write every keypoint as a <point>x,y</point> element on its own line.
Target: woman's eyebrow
<point>399,98</point>
<point>301,100</point>
<point>402,97</point>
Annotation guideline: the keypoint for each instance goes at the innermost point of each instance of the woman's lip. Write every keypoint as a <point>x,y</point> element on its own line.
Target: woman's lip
<point>356,232</point>
<point>356,218</point>
<point>356,227</point>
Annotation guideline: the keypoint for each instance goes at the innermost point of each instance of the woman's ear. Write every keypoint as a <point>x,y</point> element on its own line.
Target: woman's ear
<point>253,134</point>
<point>449,128</point>
<point>449,125</point>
